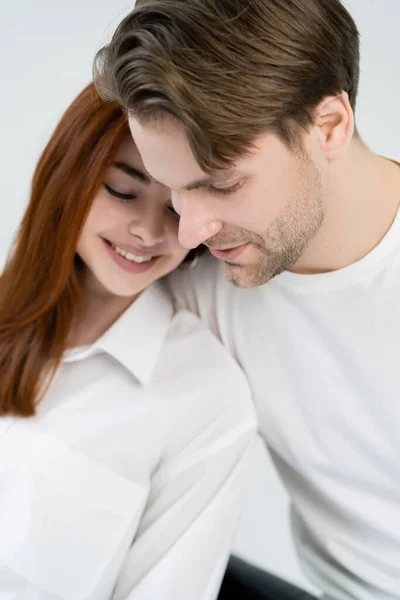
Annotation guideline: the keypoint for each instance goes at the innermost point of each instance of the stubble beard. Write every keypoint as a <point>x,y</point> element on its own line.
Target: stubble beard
<point>287,237</point>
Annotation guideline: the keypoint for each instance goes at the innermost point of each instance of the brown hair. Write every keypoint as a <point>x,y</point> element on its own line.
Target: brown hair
<point>229,70</point>
<point>40,288</point>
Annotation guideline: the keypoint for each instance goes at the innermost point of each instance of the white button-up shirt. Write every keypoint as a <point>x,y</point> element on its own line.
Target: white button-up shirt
<point>127,482</point>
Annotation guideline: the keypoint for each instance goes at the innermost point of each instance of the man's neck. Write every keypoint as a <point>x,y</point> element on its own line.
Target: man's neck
<point>362,202</point>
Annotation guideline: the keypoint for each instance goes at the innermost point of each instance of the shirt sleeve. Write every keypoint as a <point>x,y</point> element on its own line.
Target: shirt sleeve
<point>182,546</point>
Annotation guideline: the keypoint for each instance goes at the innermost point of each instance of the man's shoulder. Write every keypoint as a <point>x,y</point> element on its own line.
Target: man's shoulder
<point>206,268</point>
<point>201,290</point>
<point>193,284</point>
<point>204,291</point>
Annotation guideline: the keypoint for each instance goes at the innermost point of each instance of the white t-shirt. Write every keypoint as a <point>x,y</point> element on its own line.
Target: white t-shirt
<point>127,483</point>
<point>322,355</point>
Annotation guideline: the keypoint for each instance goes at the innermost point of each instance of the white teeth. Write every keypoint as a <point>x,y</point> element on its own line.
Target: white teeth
<point>130,256</point>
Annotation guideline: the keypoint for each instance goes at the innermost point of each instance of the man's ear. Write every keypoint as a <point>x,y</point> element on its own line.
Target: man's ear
<point>334,122</point>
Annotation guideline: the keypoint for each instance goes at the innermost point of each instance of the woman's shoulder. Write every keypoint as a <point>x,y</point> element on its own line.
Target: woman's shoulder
<point>211,399</point>
<point>197,351</point>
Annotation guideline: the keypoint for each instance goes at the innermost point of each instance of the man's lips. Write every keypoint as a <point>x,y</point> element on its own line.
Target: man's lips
<point>230,253</point>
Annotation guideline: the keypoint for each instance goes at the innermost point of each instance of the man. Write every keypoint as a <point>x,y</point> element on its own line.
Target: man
<point>245,109</point>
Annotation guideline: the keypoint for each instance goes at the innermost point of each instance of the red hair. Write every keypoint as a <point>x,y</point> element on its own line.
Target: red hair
<point>40,287</point>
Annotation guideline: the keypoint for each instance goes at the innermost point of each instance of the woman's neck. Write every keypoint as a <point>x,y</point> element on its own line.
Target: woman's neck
<point>100,310</point>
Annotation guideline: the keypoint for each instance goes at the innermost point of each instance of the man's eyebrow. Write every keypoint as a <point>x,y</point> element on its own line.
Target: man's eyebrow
<point>133,172</point>
<point>218,179</point>
<point>203,182</point>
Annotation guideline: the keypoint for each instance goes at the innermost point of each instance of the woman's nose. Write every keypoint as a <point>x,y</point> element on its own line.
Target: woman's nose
<point>148,227</point>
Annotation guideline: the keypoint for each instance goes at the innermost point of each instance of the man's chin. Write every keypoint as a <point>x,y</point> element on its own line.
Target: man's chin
<point>241,276</point>
<point>249,275</point>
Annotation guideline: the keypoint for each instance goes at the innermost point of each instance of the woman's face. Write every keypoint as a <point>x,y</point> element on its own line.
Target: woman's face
<point>130,237</point>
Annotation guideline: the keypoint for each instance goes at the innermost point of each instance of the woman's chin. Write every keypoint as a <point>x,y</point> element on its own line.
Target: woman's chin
<point>111,284</point>
<point>124,291</point>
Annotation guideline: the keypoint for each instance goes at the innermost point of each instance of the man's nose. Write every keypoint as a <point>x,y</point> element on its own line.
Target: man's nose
<point>197,224</point>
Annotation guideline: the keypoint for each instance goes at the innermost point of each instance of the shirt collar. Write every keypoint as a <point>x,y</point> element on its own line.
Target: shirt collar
<point>136,338</point>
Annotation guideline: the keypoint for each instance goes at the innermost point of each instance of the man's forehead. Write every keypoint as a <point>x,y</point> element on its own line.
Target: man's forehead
<point>165,148</point>
<point>168,157</point>
<point>165,126</point>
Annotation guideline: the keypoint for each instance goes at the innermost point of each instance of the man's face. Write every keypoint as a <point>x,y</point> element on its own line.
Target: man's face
<point>257,216</point>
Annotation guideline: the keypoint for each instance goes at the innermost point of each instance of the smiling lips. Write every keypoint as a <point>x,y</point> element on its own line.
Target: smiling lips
<point>128,261</point>
<point>135,262</point>
<point>132,252</point>
<point>129,256</point>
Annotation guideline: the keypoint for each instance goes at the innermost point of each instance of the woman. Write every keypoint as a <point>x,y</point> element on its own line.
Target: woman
<point>125,429</point>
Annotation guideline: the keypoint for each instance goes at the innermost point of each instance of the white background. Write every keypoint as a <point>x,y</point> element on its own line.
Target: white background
<point>46,51</point>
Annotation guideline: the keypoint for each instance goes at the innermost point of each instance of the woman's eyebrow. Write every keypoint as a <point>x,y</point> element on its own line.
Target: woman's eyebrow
<point>133,172</point>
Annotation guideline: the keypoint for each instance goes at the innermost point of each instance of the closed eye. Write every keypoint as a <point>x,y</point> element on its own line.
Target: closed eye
<point>120,195</point>
<point>224,191</point>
